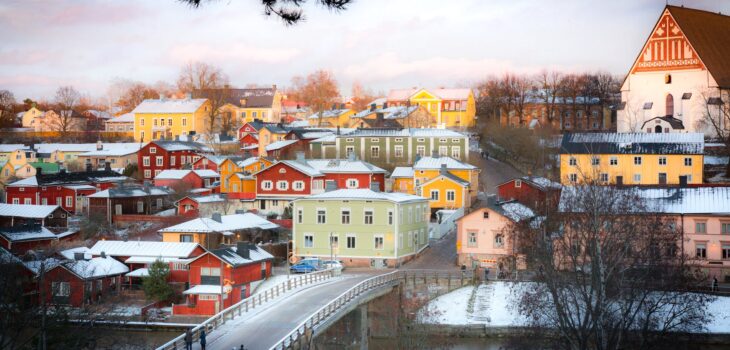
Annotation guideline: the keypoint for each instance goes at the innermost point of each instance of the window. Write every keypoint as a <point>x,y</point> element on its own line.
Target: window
<point>725,251</point>
<point>334,242</point>
<point>61,289</point>
<point>368,217</point>
<point>146,161</point>
<point>180,266</point>
<point>16,200</point>
<point>637,178</point>
<point>637,160</point>
<point>210,275</point>
<point>345,216</point>
<point>421,150</point>
<point>701,250</point>
<point>352,183</point>
<point>308,241</point>
<point>450,195</point>
<point>390,217</point>
<point>169,121</point>
<point>300,215</point>
<point>184,121</point>
<point>443,151</point>
<point>282,185</point>
<point>486,215</point>
<point>471,240</point>
<point>434,195</point>
<point>317,185</point>
<point>725,228</point>
<point>172,160</point>
<point>267,185</point>
<point>573,177</point>
<point>147,173</point>
<point>153,150</point>
<point>604,178</point>
<point>374,139</point>
<point>141,122</point>
<point>518,183</point>
<point>254,114</point>
<point>498,241</point>
<point>662,160</point>
<point>158,161</point>
<point>572,161</point>
<point>455,152</point>
<point>398,151</point>
<point>378,242</point>
<point>28,201</point>
<point>69,201</point>
<point>298,185</point>
<point>595,161</point>
<point>410,239</point>
<point>687,161</point>
<point>321,216</point>
<point>140,207</point>
<point>158,202</point>
<point>700,227</point>
<point>375,151</point>
<point>351,242</point>
<point>349,150</point>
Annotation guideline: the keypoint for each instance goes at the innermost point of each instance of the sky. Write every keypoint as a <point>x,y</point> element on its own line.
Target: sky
<point>382,44</point>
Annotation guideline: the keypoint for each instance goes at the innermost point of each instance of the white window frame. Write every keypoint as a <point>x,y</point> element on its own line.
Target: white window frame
<point>159,161</point>
<point>298,185</point>
<point>147,173</point>
<point>321,219</point>
<point>438,195</point>
<point>374,151</point>
<point>455,152</point>
<point>398,151</point>
<point>267,185</point>
<point>453,195</point>
<point>613,161</point>
<point>351,238</point>
<point>353,183</point>
<point>146,161</point>
<point>282,185</point>
<point>308,240</point>
<point>342,216</point>
<point>365,216</point>
<point>378,242</point>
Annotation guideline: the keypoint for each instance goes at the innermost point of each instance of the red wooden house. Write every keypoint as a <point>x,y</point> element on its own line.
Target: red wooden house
<point>222,277</point>
<point>249,145</point>
<point>44,215</point>
<point>82,281</point>
<point>190,178</point>
<point>126,200</point>
<point>200,205</point>
<point>157,156</point>
<point>213,162</point>
<point>538,193</point>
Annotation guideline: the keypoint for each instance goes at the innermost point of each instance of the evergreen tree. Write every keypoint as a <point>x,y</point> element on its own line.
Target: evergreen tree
<point>155,285</point>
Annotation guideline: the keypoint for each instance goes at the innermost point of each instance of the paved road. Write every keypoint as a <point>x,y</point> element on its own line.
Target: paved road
<point>441,255</point>
<point>262,330</point>
<point>493,172</point>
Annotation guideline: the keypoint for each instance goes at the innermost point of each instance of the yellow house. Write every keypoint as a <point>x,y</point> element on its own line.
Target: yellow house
<point>244,105</point>
<point>269,134</point>
<point>446,191</point>
<point>402,180</point>
<point>632,158</point>
<point>332,118</point>
<point>231,166</point>
<point>170,118</point>
<point>428,168</point>
<point>451,108</point>
<point>29,116</point>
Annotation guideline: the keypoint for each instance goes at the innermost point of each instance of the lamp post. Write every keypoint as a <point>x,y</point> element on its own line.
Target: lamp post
<point>332,247</point>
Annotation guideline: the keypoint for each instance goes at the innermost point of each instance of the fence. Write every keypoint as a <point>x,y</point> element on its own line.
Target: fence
<point>305,329</point>
<point>448,223</point>
<point>250,303</point>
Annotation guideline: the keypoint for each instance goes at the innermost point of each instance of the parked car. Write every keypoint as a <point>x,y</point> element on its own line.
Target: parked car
<point>316,262</point>
<point>302,267</point>
<point>333,264</point>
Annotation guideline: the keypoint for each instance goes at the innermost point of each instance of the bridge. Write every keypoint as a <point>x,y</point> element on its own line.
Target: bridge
<point>288,315</point>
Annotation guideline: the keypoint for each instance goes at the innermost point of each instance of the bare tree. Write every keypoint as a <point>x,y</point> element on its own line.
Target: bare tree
<point>517,89</point>
<point>129,94</point>
<point>208,80</point>
<point>67,99</point>
<point>319,91</point>
<point>611,275</point>
<point>290,11</point>
<point>361,96</point>
<point>716,118</point>
<point>549,84</point>
<point>490,98</point>
<point>7,106</point>
<point>218,119</point>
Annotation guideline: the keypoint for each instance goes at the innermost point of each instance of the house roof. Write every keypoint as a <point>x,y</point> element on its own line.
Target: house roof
<point>633,143</point>
<point>253,97</point>
<point>402,171</point>
<point>389,113</point>
<point>443,93</point>
<point>127,192</point>
<point>299,166</point>
<point>174,174</point>
<point>124,118</point>
<point>117,147</point>
<point>69,253</point>
<point>213,198</point>
<point>230,255</point>
<point>144,248</point>
<point>412,132</point>
<point>512,210</point>
<point>183,146</point>
<point>27,233</point>
<point>27,210</point>
<point>96,267</point>
<point>677,200</point>
<point>204,289</point>
<point>675,123</point>
<point>343,166</point>
<point>169,105</point>
<point>232,222</point>
<point>449,176</point>
<point>114,150</point>
<point>709,34</point>
<point>280,144</point>
<point>365,194</point>
<point>330,113</point>
<point>46,167</point>
<point>4,148</point>
<point>437,162</point>
<point>218,160</point>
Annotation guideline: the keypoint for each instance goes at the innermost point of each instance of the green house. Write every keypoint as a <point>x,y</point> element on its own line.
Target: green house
<point>360,227</point>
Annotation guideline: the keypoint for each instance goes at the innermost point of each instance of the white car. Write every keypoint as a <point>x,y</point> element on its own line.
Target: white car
<point>333,264</point>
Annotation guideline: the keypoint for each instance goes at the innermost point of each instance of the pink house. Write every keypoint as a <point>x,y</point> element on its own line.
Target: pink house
<point>482,236</point>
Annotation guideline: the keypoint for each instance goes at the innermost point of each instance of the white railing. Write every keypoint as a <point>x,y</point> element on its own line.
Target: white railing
<point>448,223</point>
<point>304,329</point>
<point>248,304</point>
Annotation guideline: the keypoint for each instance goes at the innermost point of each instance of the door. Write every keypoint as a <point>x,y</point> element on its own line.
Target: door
<point>662,178</point>
<point>619,180</point>
<point>118,209</point>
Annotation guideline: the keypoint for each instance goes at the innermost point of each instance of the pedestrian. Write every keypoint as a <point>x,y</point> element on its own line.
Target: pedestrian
<point>715,285</point>
<point>486,274</point>
<point>188,340</point>
<point>202,338</point>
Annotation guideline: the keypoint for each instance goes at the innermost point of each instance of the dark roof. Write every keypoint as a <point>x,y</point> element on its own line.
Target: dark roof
<point>252,98</point>
<point>632,143</point>
<point>258,124</point>
<point>709,34</point>
<point>276,128</point>
<point>182,146</point>
<point>299,132</point>
<point>674,122</point>
<point>78,177</point>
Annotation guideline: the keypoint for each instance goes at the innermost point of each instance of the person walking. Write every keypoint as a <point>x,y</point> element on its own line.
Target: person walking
<point>715,285</point>
<point>202,338</point>
<point>188,340</point>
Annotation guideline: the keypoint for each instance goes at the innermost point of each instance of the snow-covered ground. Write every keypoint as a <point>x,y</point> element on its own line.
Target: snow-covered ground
<point>493,304</point>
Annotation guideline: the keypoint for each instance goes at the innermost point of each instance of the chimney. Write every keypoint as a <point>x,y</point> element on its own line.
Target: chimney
<point>434,153</point>
<point>375,186</point>
<point>79,256</point>
<point>243,249</point>
<point>338,129</point>
<point>88,167</point>
<point>103,254</point>
<point>385,105</point>
<point>273,86</point>
<point>217,217</point>
<point>39,171</point>
<point>683,181</point>
<point>300,158</point>
<point>330,185</point>
<point>108,166</point>
<point>99,145</point>
<point>372,107</point>
<point>443,170</point>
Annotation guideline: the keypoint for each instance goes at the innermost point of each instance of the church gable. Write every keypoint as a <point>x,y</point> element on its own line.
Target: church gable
<point>667,49</point>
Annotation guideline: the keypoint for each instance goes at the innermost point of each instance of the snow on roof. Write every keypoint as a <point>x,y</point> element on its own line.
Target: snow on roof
<point>124,118</point>
<point>144,248</point>
<point>633,143</point>
<point>125,192</point>
<point>114,150</point>
<point>449,176</point>
<point>96,267</point>
<point>436,162</point>
<point>517,211</point>
<point>330,113</point>
<point>413,132</point>
<point>70,253</point>
<point>389,113</point>
<point>31,181</point>
<point>143,272</point>
<point>326,166</point>
<point>228,223</point>
<point>35,265</point>
<point>183,146</point>
<point>206,173</point>
<point>216,159</point>
<point>230,255</point>
<point>443,93</point>
<point>365,194</point>
<point>151,259</point>
<point>213,198</point>
<point>27,210</point>
<point>298,124</point>
<point>80,187</point>
<point>304,168</point>
<point>5,148</point>
<point>402,171</point>
<point>204,289</point>
<point>543,182</point>
<point>280,144</point>
<point>676,200</point>
<point>110,178</point>
<point>172,174</point>
<point>35,233</point>
<point>169,105</point>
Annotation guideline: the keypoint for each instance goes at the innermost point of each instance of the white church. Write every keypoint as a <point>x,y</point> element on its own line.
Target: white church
<point>682,74</point>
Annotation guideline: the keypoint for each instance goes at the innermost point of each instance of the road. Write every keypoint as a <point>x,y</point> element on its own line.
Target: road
<point>493,172</point>
<point>440,255</point>
<point>262,330</point>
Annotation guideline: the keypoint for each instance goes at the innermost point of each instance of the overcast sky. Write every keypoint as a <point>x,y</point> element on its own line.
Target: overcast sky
<point>381,43</point>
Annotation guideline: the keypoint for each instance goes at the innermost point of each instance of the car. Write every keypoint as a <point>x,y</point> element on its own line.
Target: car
<point>302,268</point>
<point>333,264</point>
<point>316,262</point>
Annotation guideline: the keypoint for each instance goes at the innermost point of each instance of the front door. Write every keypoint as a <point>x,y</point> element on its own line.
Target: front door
<point>118,209</point>
<point>662,178</point>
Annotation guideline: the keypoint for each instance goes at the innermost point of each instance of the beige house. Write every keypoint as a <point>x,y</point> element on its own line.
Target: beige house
<point>123,123</point>
<point>55,121</point>
<point>29,116</point>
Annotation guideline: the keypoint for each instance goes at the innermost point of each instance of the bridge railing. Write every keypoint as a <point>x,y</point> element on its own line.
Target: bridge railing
<point>304,330</point>
<point>248,304</point>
